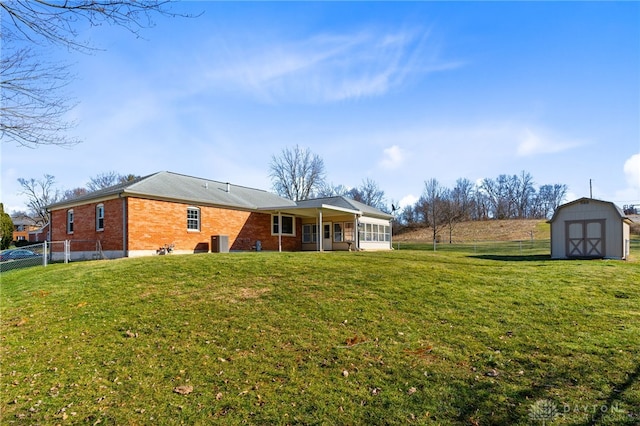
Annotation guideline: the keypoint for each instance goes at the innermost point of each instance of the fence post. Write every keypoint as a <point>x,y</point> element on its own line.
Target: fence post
<point>44,254</point>
<point>67,250</point>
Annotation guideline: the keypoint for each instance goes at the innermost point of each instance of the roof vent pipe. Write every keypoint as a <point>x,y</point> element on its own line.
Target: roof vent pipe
<point>228,187</point>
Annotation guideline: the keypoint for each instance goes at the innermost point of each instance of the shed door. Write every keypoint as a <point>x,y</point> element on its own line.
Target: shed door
<point>585,238</point>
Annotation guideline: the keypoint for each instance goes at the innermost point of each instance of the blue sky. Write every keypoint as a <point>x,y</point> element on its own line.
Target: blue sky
<point>395,92</point>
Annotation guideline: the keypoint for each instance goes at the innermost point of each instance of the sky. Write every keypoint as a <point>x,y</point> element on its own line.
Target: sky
<point>395,92</point>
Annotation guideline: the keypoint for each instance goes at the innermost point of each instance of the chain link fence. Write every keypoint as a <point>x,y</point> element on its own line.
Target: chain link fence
<point>23,257</point>
<point>47,252</point>
<point>506,248</point>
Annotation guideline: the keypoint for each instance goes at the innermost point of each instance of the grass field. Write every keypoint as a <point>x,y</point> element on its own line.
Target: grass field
<point>402,337</point>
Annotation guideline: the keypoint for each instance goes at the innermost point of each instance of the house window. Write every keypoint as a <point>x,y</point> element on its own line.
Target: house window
<point>337,232</point>
<point>69,221</point>
<point>309,233</point>
<point>100,217</point>
<point>374,232</point>
<point>348,231</point>
<point>288,225</point>
<point>193,219</point>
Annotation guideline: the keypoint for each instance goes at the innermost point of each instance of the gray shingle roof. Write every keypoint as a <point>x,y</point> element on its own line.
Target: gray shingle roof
<point>344,203</point>
<point>188,189</point>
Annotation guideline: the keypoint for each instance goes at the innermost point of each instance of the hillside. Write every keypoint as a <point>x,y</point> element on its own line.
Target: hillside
<point>357,338</point>
<point>486,230</point>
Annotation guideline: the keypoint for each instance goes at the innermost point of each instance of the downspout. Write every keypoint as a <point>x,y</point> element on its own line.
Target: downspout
<point>125,251</point>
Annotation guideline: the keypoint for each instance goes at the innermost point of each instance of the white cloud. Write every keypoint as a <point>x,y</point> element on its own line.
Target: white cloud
<point>407,200</point>
<point>325,67</point>
<point>538,142</point>
<point>632,171</point>
<point>393,158</point>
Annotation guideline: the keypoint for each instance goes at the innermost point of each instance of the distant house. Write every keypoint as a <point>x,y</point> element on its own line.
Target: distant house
<point>588,228</point>
<point>190,215</point>
<point>22,225</point>
<point>40,234</point>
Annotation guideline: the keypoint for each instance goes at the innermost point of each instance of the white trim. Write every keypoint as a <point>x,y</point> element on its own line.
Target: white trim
<point>280,233</point>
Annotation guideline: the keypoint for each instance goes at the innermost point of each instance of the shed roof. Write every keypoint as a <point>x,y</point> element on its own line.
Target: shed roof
<point>617,209</point>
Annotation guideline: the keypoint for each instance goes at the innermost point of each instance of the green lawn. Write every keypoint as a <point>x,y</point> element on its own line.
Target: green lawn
<point>409,336</point>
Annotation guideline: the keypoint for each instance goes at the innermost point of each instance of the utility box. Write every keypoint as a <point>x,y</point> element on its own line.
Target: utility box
<point>219,244</point>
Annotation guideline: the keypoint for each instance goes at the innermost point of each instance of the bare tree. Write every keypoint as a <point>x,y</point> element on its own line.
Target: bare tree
<point>434,206</point>
<point>549,199</point>
<point>370,194</point>
<point>331,190</point>
<point>107,179</point>
<point>297,173</point>
<point>70,194</point>
<point>462,198</point>
<point>33,103</point>
<point>40,193</point>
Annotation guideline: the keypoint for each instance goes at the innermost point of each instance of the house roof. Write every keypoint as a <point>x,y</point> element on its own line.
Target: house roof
<point>187,189</point>
<point>582,200</point>
<point>176,187</point>
<point>23,220</point>
<point>342,203</point>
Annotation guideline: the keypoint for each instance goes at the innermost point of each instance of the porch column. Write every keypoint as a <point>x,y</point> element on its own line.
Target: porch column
<point>320,232</point>
<point>280,232</point>
<point>356,232</point>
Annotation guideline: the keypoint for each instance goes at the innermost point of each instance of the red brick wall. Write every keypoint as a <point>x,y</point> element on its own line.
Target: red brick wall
<point>153,224</point>
<point>84,225</point>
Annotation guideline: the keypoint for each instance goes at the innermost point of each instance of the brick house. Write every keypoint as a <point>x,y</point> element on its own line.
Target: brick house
<point>192,215</point>
<point>22,225</point>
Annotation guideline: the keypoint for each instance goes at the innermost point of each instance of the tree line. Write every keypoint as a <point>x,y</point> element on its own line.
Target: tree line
<point>298,174</point>
<point>505,197</point>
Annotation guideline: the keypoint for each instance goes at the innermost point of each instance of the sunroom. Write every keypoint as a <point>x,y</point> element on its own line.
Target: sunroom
<point>336,223</point>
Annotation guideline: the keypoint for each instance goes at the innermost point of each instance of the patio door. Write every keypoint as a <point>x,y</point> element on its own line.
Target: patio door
<point>585,238</point>
<point>327,241</point>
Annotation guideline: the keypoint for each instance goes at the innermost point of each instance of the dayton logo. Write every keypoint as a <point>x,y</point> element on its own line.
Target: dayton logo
<point>543,410</point>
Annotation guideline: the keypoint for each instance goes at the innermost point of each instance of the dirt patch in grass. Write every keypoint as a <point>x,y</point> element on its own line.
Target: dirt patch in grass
<point>252,293</point>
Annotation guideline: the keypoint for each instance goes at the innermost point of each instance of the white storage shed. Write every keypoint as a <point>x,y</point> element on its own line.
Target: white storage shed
<point>588,228</point>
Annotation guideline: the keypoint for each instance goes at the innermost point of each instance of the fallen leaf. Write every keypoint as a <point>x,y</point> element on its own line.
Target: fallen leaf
<point>412,390</point>
<point>183,389</point>
<point>492,373</point>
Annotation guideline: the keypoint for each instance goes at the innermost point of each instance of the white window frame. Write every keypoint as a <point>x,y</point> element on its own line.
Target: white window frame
<point>70,216</point>
<point>100,217</point>
<point>338,232</point>
<point>193,220</point>
<point>309,233</point>
<point>349,232</point>
<point>275,225</point>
